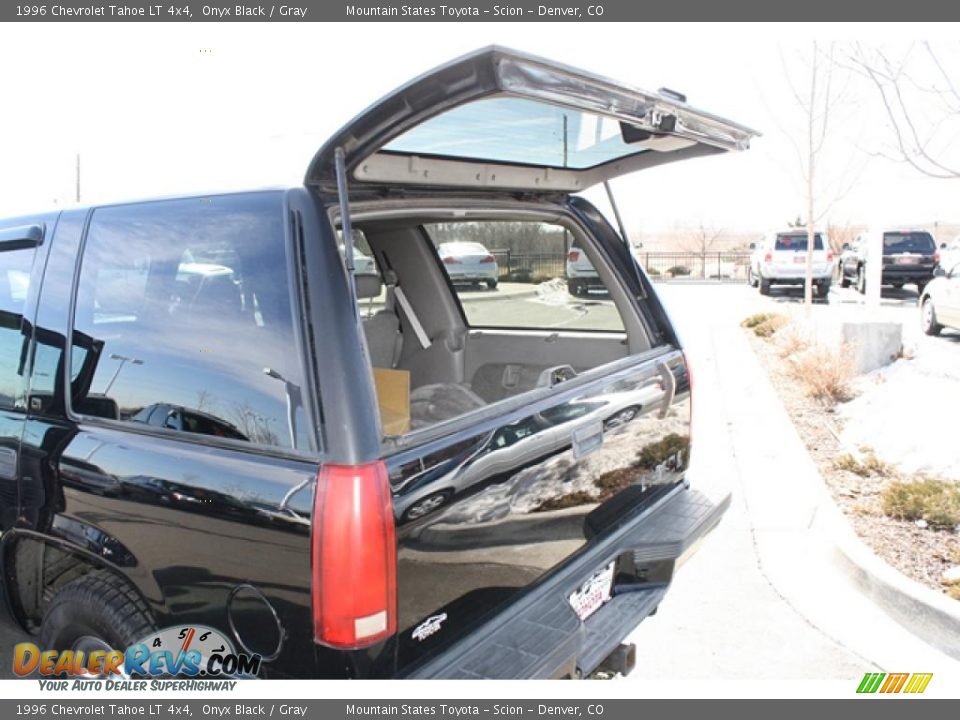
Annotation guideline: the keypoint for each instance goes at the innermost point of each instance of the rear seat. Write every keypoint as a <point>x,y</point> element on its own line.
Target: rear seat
<point>429,404</point>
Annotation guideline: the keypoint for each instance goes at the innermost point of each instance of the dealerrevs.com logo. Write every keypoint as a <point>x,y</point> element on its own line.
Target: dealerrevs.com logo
<point>910,683</point>
<point>192,651</point>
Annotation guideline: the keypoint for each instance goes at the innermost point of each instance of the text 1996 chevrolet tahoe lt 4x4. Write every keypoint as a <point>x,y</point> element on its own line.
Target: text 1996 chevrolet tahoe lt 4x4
<point>210,420</point>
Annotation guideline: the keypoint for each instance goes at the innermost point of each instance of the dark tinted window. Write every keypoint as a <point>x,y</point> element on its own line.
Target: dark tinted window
<point>798,241</point>
<point>183,311</point>
<point>915,242</point>
<point>15,268</point>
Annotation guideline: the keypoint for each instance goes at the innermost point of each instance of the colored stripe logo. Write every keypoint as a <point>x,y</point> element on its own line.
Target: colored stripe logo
<point>894,683</point>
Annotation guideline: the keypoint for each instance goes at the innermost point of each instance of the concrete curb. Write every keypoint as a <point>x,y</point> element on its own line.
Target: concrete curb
<point>929,615</point>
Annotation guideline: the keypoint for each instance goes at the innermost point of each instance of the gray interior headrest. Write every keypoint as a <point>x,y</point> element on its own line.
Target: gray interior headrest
<point>368,286</point>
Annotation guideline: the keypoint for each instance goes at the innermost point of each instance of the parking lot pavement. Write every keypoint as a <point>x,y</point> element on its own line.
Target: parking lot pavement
<point>763,598</point>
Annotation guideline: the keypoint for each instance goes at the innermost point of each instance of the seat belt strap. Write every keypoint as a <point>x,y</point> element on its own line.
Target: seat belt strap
<point>411,317</point>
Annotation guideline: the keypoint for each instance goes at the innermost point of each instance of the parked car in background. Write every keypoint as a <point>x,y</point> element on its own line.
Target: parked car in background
<point>781,259</point>
<point>909,256</point>
<point>469,263</point>
<point>949,254</point>
<point>581,275</point>
<point>940,300</point>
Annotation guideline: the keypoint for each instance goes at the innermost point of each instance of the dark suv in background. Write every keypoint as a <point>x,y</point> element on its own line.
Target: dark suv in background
<point>909,256</point>
<point>209,419</point>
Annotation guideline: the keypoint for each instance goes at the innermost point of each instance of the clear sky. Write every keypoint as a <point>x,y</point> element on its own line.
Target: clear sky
<point>164,109</point>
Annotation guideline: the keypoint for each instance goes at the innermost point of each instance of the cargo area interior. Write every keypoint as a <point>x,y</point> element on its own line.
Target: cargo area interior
<point>442,347</point>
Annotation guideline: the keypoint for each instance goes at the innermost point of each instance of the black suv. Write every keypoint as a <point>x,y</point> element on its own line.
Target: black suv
<point>209,420</point>
<point>909,256</point>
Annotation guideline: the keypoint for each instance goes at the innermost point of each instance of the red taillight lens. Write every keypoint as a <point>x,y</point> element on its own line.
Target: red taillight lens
<point>936,257</point>
<point>354,556</point>
<point>489,259</point>
<point>768,258</point>
<point>829,256</point>
<point>450,261</point>
<point>573,255</point>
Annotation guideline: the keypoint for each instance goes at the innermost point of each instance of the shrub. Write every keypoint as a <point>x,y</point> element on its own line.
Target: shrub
<point>936,501</point>
<point>678,270</point>
<point>870,465</point>
<point>791,342</point>
<point>825,373</point>
<point>770,326</point>
<point>756,319</point>
<point>652,271</point>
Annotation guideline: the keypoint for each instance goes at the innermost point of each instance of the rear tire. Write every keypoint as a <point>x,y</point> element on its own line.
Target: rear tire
<point>491,284</point>
<point>751,278</point>
<point>96,611</point>
<point>573,287</point>
<point>921,286</point>
<point>764,286</point>
<point>427,505</point>
<point>844,280</point>
<point>861,280</point>
<point>928,318</point>
<point>823,289</point>
<point>898,286</point>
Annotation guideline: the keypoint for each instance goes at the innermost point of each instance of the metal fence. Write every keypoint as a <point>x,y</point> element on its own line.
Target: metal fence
<point>661,266</point>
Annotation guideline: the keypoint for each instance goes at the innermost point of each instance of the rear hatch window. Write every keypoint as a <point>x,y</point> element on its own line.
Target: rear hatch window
<point>909,242</point>
<point>797,242</point>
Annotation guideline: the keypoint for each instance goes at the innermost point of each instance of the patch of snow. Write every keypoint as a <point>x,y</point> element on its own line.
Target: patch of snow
<point>906,411</point>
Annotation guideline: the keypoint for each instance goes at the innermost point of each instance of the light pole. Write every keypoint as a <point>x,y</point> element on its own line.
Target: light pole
<point>123,359</point>
<point>292,390</point>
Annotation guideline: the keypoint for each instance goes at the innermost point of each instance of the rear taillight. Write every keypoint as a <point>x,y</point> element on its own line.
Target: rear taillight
<point>829,256</point>
<point>488,259</point>
<point>354,556</point>
<point>768,258</point>
<point>573,255</point>
<point>936,257</point>
<point>451,261</point>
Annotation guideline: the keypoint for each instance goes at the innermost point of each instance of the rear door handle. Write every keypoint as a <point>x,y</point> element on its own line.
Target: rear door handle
<point>669,387</point>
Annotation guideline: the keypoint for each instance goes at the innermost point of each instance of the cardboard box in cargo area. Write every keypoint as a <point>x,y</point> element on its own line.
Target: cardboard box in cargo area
<point>393,395</point>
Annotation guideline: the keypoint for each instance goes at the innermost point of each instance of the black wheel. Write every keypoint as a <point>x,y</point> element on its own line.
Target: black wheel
<point>573,287</point>
<point>621,417</point>
<point>751,278</point>
<point>898,286</point>
<point>861,280</point>
<point>491,284</point>
<point>844,280</point>
<point>823,288</point>
<point>427,505</point>
<point>98,611</point>
<point>928,318</point>
<point>921,285</point>
<point>764,286</point>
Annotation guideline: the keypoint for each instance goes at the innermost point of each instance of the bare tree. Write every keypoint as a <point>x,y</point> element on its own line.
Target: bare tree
<point>700,240</point>
<point>840,234</point>
<point>818,95</point>
<point>924,117</point>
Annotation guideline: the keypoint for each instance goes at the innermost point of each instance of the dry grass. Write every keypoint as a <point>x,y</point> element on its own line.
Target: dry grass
<point>765,325</point>
<point>792,341</point>
<point>933,500</point>
<point>869,465</point>
<point>825,373</point>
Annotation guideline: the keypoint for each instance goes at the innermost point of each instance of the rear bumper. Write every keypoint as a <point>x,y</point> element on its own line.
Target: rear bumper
<point>906,274</point>
<point>540,636</point>
<point>794,276</point>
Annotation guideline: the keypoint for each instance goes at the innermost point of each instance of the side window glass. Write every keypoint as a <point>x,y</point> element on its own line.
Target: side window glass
<point>15,266</point>
<point>524,274</point>
<point>183,320</point>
